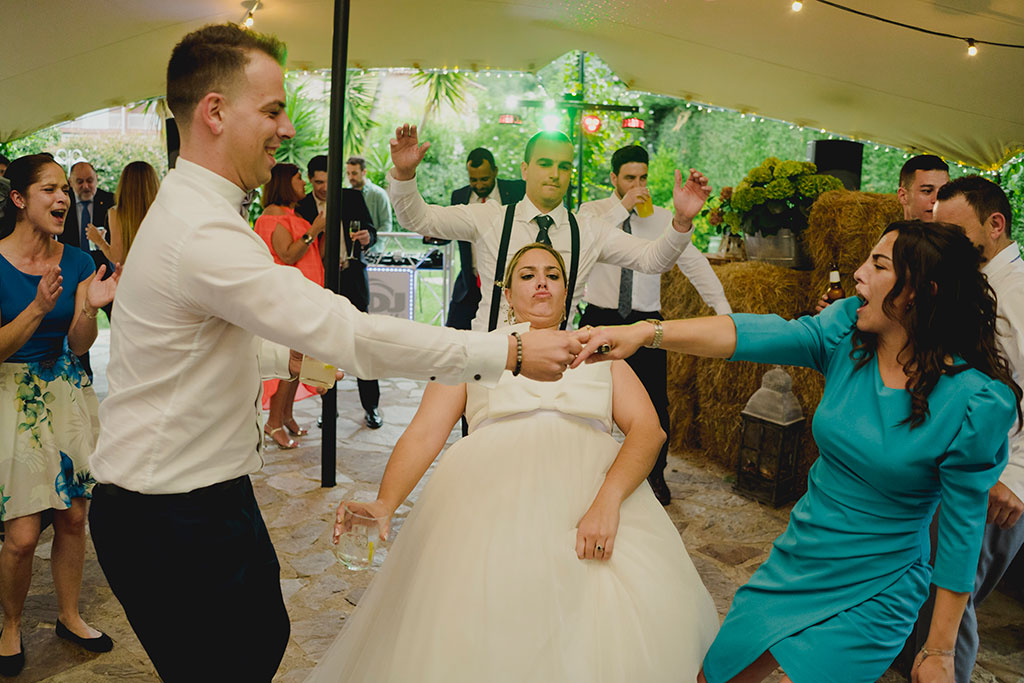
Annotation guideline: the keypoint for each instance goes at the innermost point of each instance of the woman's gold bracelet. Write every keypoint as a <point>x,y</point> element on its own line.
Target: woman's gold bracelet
<point>659,331</point>
<point>926,653</point>
<point>85,312</point>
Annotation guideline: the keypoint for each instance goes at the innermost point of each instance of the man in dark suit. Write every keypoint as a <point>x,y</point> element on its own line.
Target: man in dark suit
<point>353,281</point>
<point>484,186</point>
<point>89,204</point>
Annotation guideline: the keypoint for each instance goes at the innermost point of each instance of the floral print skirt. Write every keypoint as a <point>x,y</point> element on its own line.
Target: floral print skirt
<point>46,436</point>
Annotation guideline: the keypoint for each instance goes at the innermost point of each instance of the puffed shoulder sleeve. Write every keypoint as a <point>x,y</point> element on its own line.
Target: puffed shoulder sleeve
<point>809,341</point>
<point>967,470</point>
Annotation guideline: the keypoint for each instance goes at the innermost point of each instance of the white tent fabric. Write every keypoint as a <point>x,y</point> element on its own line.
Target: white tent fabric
<point>821,67</point>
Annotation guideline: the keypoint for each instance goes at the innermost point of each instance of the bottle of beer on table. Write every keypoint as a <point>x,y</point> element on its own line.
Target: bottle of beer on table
<point>835,288</point>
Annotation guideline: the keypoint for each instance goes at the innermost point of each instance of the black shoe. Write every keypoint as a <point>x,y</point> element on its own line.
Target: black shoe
<point>373,419</point>
<point>661,492</point>
<point>11,665</point>
<point>101,643</point>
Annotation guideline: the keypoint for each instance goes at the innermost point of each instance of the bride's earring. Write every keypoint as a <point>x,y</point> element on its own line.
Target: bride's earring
<point>510,316</point>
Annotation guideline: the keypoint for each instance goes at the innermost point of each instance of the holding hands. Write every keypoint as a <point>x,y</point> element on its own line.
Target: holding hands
<point>546,353</point>
<point>688,199</point>
<point>406,152</point>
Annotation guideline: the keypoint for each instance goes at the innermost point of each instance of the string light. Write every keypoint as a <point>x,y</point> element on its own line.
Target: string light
<point>797,5</point>
<point>972,49</point>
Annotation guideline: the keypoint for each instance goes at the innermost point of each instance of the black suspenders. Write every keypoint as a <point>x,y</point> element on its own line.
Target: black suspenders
<point>499,266</point>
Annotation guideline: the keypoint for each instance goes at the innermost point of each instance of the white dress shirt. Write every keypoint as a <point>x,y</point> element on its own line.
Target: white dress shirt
<point>603,283</point>
<point>493,196</point>
<point>184,405</point>
<point>1005,274</point>
<point>482,225</point>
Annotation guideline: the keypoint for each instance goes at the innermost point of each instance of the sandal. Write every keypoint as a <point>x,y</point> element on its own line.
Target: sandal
<point>284,446</point>
<point>296,430</point>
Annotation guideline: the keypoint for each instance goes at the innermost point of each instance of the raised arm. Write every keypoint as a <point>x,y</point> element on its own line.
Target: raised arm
<point>419,444</point>
<point>634,414</point>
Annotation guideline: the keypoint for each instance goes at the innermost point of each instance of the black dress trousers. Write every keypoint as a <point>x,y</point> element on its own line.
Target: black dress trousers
<point>650,365</point>
<point>198,578</point>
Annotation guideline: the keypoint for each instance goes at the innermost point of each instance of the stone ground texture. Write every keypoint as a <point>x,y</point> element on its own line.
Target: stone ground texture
<point>727,536</point>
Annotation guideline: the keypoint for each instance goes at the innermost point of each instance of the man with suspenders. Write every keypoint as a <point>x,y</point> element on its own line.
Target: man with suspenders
<point>497,231</point>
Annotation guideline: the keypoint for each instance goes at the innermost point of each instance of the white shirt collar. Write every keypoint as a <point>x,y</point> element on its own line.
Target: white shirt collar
<point>1005,257</point>
<point>220,185</point>
<point>527,210</point>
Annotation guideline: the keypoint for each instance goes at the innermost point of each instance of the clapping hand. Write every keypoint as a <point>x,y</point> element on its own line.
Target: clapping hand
<point>406,152</point>
<point>689,199</point>
<point>100,292</point>
<point>49,289</point>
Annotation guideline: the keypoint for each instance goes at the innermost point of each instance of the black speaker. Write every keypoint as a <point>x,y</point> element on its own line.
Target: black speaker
<point>840,158</point>
<point>173,142</point>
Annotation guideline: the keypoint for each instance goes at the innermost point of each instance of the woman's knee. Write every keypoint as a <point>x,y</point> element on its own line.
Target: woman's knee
<point>72,520</point>
<point>21,535</point>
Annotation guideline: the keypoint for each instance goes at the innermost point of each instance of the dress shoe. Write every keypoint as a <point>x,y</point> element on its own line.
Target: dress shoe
<point>101,643</point>
<point>11,665</point>
<point>661,492</point>
<point>373,419</point>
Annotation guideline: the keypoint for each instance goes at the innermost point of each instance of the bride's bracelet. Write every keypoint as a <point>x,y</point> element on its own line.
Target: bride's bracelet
<point>926,653</point>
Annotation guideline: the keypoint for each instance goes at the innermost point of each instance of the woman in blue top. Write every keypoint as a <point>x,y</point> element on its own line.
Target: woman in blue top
<point>48,302</point>
<point>918,402</point>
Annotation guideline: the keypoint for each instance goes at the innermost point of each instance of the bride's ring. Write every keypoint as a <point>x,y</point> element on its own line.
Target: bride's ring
<point>599,548</point>
<point>604,348</point>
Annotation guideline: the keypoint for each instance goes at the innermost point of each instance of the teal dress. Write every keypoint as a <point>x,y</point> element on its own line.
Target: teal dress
<point>841,588</point>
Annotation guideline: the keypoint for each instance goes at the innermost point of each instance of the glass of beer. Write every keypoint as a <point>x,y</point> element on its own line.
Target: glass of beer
<point>644,207</point>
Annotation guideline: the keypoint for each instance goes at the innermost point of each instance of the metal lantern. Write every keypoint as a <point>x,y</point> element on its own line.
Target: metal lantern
<point>772,426</point>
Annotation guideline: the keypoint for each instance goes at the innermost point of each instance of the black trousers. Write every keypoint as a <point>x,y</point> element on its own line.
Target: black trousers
<point>355,286</point>
<point>198,579</point>
<point>650,365</point>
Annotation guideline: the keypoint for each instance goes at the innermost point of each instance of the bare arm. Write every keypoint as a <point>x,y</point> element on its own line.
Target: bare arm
<point>636,417</point>
<point>291,250</point>
<point>92,294</point>
<point>422,440</point>
<point>942,634</point>
<point>710,337</point>
<point>16,333</point>
<point>117,249</point>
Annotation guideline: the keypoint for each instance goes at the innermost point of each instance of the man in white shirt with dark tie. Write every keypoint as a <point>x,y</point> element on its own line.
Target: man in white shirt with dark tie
<point>620,296</point>
<point>497,232</point>
<point>174,521</point>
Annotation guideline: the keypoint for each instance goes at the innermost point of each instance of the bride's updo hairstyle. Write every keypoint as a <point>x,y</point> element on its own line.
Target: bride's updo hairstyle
<point>530,247</point>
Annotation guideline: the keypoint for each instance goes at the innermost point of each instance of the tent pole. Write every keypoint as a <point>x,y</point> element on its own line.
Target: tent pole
<point>332,233</point>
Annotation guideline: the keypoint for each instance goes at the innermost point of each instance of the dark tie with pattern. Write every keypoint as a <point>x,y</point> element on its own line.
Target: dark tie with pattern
<point>545,222</point>
<point>626,279</point>
<point>86,220</point>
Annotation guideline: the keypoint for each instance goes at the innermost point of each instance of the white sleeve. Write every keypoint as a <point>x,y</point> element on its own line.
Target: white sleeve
<point>279,304</point>
<point>457,222</point>
<point>698,271</point>
<point>636,253</point>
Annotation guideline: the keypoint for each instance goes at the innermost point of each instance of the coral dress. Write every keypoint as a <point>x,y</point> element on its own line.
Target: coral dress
<point>310,264</point>
<point>840,591</point>
<point>483,583</point>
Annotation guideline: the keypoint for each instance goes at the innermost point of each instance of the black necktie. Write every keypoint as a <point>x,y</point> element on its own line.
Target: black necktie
<point>626,280</point>
<point>544,222</point>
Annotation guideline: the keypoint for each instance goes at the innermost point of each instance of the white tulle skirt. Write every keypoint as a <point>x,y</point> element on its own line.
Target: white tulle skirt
<point>483,584</point>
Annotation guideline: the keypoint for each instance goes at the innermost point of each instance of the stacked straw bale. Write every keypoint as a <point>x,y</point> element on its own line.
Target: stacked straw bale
<point>707,395</point>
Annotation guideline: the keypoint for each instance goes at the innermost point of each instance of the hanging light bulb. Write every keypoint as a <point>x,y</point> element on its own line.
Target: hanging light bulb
<point>248,21</point>
<point>972,49</point>
<point>797,5</point>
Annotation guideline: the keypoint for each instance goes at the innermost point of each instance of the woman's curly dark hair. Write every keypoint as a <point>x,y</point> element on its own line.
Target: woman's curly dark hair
<point>952,324</point>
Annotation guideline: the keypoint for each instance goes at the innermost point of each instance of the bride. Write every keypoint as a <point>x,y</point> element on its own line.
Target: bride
<point>537,551</point>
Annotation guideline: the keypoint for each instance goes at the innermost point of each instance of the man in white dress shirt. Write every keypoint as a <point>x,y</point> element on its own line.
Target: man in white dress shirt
<point>176,527</point>
<point>539,217</point>
<point>981,208</point>
<point>618,296</point>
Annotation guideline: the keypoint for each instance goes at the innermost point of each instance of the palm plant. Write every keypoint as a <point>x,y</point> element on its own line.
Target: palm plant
<point>305,114</point>
<point>442,86</point>
<point>360,96</point>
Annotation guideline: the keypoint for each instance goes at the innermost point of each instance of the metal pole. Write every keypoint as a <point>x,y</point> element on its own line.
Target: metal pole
<point>332,232</point>
<point>579,134</point>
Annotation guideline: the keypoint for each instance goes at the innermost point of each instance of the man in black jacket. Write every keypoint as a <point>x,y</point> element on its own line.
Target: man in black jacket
<point>353,281</point>
<point>484,186</point>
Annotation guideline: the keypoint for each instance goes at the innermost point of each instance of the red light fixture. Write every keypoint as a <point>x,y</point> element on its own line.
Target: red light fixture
<point>633,122</point>
<point>591,123</point>
<point>510,119</point>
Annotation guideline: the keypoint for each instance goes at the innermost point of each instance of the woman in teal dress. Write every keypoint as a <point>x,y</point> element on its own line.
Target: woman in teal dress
<point>917,405</point>
<point>49,297</point>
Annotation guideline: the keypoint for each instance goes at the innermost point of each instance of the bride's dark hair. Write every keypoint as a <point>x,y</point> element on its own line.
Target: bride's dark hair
<point>951,325</point>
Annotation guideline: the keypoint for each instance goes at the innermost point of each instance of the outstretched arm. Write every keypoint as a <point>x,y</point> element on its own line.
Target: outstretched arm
<point>635,416</point>
<point>711,337</point>
<point>422,440</point>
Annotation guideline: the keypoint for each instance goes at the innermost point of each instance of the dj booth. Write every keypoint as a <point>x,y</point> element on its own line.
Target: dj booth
<point>398,280</point>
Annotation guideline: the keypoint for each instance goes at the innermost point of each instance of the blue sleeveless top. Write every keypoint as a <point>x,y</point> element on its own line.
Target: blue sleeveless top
<point>18,289</point>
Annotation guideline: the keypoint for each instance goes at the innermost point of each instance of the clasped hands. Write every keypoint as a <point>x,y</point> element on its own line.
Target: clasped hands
<point>548,353</point>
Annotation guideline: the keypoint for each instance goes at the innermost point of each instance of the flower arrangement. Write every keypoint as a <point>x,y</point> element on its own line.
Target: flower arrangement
<point>777,194</point>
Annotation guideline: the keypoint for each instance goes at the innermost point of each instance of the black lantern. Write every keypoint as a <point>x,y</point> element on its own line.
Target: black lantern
<point>772,425</point>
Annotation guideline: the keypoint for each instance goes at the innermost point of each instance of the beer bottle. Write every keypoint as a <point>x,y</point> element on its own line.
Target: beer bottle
<point>835,288</point>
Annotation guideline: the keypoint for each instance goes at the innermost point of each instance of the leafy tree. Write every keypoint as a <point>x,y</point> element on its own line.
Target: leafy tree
<point>442,86</point>
<point>306,115</point>
<point>360,97</point>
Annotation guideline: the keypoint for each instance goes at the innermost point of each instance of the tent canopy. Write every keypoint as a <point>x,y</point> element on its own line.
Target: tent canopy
<point>821,67</point>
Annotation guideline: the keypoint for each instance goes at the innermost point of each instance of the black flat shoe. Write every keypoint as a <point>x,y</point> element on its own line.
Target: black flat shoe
<point>373,419</point>
<point>101,643</point>
<point>11,665</point>
<point>661,491</point>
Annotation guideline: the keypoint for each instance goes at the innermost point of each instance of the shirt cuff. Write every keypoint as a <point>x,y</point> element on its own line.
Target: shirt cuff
<point>274,360</point>
<point>486,356</point>
<point>401,188</point>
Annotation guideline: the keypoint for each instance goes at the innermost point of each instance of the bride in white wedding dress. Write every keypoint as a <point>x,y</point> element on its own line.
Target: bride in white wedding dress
<point>537,551</point>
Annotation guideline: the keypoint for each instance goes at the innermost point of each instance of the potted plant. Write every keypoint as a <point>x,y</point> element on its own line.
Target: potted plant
<point>770,206</point>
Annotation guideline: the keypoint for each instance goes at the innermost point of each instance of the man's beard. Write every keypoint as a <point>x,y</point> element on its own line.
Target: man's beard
<point>483,193</point>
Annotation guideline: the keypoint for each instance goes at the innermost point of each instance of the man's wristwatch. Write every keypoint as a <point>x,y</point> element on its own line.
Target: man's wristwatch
<point>307,239</point>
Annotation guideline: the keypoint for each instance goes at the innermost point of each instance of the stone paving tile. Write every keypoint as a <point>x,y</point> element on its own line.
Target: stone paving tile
<point>727,537</point>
